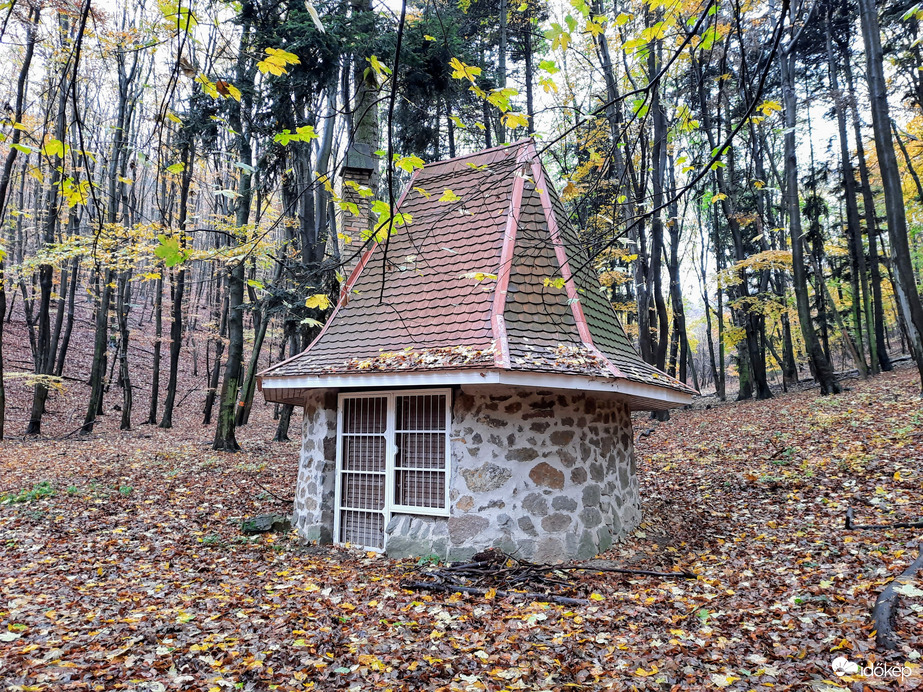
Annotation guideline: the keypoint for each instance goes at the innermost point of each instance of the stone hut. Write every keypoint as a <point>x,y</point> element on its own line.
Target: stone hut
<point>473,386</point>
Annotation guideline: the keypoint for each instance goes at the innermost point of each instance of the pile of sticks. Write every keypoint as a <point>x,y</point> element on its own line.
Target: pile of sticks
<point>494,574</point>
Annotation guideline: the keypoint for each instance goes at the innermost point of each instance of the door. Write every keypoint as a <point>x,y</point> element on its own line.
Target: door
<point>362,471</point>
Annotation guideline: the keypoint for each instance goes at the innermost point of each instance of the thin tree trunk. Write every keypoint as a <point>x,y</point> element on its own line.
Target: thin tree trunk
<point>823,372</point>
<point>2,385</point>
<point>858,279</point>
<point>216,366</point>
<point>176,328</point>
<point>44,355</point>
<point>878,348</point>
<point>158,341</point>
<point>249,385</point>
<point>121,310</point>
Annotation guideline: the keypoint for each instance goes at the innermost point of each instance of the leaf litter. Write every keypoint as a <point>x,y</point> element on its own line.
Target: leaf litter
<point>122,567</point>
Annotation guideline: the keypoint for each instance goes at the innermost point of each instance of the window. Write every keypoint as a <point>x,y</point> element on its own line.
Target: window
<point>392,458</point>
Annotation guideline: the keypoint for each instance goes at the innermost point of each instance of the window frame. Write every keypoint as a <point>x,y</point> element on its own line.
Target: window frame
<point>390,506</point>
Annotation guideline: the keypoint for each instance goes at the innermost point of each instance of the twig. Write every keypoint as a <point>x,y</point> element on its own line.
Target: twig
<point>264,489</point>
<point>452,588</point>
<point>625,570</point>
<point>899,525</point>
<point>74,432</point>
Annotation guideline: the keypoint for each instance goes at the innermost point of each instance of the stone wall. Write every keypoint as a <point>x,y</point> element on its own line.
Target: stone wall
<point>543,475</point>
<point>316,487</point>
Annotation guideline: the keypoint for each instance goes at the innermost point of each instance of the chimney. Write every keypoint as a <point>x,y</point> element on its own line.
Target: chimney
<point>360,168</point>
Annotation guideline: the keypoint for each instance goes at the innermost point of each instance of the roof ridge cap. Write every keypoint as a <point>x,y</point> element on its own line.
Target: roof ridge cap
<point>576,306</point>
<point>525,157</point>
<point>345,288</point>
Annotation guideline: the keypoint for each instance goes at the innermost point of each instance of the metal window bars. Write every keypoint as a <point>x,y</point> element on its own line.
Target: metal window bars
<point>392,457</point>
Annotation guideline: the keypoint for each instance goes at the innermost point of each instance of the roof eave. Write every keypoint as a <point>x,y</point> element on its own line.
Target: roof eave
<point>640,396</point>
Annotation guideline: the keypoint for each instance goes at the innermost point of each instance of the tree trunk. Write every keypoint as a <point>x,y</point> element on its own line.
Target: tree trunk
<point>215,375</point>
<point>658,175</point>
<point>158,340</point>
<point>501,62</point>
<point>121,310</point>
<point>249,385</point>
<point>823,372</point>
<point>905,284</point>
<point>2,385</point>
<point>176,328</point>
<point>878,347</point>
<point>858,279</point>
<point>225,432</point>
<point>754,360</point>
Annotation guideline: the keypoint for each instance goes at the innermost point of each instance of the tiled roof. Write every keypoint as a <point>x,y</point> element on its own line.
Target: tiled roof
<point>470,284</point>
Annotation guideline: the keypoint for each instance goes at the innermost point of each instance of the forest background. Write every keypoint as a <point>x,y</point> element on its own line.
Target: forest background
<point>743,176</point>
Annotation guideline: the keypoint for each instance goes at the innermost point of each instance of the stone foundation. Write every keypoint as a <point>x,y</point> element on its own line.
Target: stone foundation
<point>316,486</point>
<point>546,476</point>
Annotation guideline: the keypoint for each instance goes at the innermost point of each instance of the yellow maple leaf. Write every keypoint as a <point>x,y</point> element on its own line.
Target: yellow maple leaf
<point>319,300</point>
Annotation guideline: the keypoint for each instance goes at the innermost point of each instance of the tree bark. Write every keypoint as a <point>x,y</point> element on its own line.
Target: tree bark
<point>878,347</point>
<point>821,367</point>
<point>907,294</point>
<point>225,432</point>
<point>858,278</point>
<point>179,288</point>
<point>249,385</point>
<point>121,310</point>
<point>158,341</point>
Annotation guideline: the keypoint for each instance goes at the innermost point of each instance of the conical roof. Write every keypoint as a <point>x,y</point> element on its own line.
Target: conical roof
<point>473,284</point>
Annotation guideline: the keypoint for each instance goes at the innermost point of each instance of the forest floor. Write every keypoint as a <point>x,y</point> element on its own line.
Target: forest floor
<point>122,565</point>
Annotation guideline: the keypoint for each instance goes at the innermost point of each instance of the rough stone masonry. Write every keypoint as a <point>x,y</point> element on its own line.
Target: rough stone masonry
<point>543,475</point>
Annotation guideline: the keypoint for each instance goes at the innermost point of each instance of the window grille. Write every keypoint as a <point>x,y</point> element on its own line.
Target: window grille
<point>392,457</point>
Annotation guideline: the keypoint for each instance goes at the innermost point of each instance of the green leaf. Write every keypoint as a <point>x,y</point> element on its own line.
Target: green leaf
<point>408,163</point>
<point>54,147</point>
<point>640,107</point>
<point>380,68</point>
<point>449,196</point>
<point>169,251</point>
<point>548,66</point>
<point>557,282</point>
<point>176,168</point>
<point>558,37</point>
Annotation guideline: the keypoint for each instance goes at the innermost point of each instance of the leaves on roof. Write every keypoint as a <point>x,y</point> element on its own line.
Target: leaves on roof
<point>410,359</point>
<point>565,358</point>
